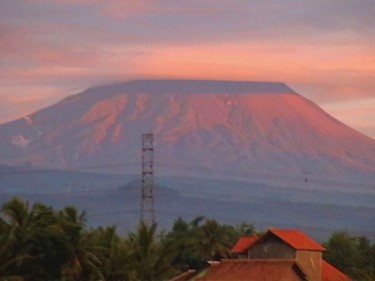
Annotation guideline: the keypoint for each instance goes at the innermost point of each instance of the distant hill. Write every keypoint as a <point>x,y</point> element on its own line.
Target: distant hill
<point>115,200</point>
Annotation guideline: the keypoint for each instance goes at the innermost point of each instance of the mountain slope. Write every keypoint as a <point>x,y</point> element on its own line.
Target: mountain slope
<point>246,127</point>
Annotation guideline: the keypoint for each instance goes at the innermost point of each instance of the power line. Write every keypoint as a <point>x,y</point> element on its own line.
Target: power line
<point>113,213</point>
<point>12,170</point>
<point>257,174</point>
<point>202,169</point>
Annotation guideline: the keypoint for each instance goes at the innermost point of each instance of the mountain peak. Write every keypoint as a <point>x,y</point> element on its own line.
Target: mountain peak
<point>196,86</point>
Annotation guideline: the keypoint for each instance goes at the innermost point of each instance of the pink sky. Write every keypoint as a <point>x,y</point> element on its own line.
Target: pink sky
<point>325,50</point>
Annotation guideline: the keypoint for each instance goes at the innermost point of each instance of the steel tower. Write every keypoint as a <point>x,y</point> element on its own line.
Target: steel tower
<point>147,215</point>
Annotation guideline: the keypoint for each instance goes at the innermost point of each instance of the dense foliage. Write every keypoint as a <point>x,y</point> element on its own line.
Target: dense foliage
<point>40,243</point>
<point>352,255</point>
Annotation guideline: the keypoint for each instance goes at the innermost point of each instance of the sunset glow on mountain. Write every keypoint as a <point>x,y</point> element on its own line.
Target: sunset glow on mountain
<point>324,50</point>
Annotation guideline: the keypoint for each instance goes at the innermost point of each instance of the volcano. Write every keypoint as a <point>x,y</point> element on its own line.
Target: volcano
<point>253,152</point>
<point>204,128</point>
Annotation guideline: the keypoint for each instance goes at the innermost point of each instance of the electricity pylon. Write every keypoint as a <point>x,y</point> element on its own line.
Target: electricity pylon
<point>147,215</point>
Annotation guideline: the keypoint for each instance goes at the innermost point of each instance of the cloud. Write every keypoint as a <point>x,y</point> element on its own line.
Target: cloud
<point>306,62</point>
<point>357,114</point>
<point>20,141</point>
<point>20,100</point>
<point>203,21</point>
<point>110,8</point>
<point>256,60</point>
<point>192,22</point>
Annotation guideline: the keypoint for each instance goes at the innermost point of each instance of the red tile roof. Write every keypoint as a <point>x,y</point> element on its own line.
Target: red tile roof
<point>330,273</point>
<point>297,239</point>
<point>243,245</point>
<point>254,270</point>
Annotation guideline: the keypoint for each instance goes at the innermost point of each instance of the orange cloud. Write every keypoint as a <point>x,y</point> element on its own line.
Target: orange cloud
<point>357,114</point>
<point>18,101</point>
<point>260,60</point>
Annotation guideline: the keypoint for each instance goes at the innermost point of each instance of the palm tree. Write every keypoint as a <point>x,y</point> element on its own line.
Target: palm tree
<point>32,243</point>
<point>184,237</point>
<point>151,257</point>
<point>6,259</point>
<point>113,253</point>
<point>213,240</point>
<point>82,262</point>
<point>17,212</point>
<point>13,227</point>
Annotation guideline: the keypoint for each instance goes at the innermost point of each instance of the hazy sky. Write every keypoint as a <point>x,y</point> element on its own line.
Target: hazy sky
<point>323,49</point>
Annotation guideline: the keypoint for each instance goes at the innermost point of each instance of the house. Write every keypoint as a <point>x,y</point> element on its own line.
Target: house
<point>290,245</point>
<point>279,255</point>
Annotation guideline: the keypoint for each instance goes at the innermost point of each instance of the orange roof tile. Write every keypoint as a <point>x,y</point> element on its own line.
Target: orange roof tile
<point>297,239</point>
<point>243,244</point>
<point>331,273</point>
<point>252,270</point>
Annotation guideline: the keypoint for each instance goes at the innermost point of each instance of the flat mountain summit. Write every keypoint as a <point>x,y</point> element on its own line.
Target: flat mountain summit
<point>205,128</point>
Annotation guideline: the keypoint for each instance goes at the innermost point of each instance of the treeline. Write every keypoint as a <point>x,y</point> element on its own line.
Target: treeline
<point>40,243</point>
<point>355,256</point>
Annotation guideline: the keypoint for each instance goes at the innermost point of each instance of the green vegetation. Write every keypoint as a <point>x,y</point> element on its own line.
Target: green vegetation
<point>40,243</point>
<point>353,255</point>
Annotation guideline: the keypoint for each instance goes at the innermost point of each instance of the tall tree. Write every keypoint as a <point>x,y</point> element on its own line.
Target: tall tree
<point>151,255</point>
<point>204,239</point>
<point>214,240</point>
<point>353,255</point>
<point>114,253</point>
<point>36,248</point>
<point>82,263</point>
<point>183,236</point>
<point>14,224</point>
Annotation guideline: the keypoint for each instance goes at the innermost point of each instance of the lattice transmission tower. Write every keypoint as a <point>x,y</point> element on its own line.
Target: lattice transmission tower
<point>147,215</point>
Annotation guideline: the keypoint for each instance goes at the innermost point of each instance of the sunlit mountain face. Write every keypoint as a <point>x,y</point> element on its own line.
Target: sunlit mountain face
<point>234,128</point>
<point>253,152</point>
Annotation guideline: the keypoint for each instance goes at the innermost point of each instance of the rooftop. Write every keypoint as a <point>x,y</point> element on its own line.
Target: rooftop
<point>270,270</point>
<point>297,239</point>
<point>331,273</point>
<point>243,245</point>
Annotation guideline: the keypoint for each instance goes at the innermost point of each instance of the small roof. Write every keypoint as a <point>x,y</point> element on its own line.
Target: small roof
<point>243,245</point>
<point>252,270</point>
<point>331,273</point>
<point>297,239</point>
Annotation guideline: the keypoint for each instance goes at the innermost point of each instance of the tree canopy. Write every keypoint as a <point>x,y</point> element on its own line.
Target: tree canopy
<point>352,255</point>
<point>39,243</point>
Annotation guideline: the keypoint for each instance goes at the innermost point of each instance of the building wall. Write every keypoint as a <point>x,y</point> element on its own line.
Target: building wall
<point>311,263</point>
<point>272,248</point>
<point>244,256</point>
